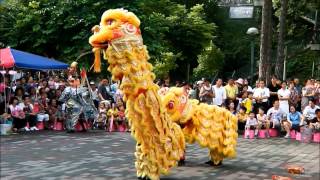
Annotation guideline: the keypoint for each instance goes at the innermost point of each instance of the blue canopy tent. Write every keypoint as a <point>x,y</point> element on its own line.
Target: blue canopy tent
<point>14,58</point>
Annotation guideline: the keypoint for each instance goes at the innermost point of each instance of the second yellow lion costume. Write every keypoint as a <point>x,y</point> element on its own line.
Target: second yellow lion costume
<point>211,126</point>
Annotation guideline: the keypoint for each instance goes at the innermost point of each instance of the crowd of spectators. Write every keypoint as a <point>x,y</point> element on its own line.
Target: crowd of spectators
<point>282,105</point>
<point>31,100</point>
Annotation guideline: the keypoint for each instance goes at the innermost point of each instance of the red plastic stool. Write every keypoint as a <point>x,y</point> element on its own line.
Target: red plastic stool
<point>293,134</point>
<point>78,127</point>
<point>40,125</point>
<point>298,136</point>
<point>58,126</point>
<point>122,128</point>
<point>249,133</point>
<point>316,137</point>
<point>262,133</point>
<point>273,132</point>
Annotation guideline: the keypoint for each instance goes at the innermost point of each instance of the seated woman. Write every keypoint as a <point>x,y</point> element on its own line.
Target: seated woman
<point>315,123</point>
<point>43,115</point>
<point>295,118</point>
<point>263,122</point>
<point>31,116</point>
<point>274,115</point>
<point>19,118</point>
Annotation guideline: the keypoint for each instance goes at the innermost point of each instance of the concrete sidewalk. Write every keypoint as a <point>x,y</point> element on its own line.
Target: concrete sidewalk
<point>100,155</point>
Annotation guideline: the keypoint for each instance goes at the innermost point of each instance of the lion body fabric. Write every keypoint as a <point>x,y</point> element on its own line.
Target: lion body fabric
<point>160,141</point>
<point>211,126</point>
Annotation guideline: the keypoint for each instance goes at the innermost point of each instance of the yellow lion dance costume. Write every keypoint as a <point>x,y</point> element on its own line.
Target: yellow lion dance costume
<point>160,141</point>
<point>211,126</point>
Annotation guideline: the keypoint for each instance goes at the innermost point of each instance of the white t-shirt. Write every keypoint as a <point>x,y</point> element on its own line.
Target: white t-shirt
<point>262,92</point>
<point>15,110</point>
<point>22,105</point>
<point>220,95</point>
<point>309,112</point>
<point>251,122</point>
<point>284,104</point>
<point>285,93</point>
<point>275,114</point>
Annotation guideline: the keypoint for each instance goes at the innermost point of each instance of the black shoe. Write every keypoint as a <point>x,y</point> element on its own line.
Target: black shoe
<point>144,178</point>
<point>70,131</point>
<point>212,164</point>
<point>181,163</point>
<point>209,163</point>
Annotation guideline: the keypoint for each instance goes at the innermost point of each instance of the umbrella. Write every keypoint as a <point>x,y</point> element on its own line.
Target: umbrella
<point>14,58</point>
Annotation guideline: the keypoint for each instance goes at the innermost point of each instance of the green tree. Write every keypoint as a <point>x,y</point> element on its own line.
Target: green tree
<point>60,29</point>
<point>210,62</point>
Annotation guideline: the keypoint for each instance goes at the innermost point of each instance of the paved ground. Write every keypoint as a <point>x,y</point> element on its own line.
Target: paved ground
<point>100,155</point>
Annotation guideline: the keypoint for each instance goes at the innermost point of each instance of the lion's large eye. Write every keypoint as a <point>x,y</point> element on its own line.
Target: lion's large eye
<point>171,105</point>
<point>109,22</point>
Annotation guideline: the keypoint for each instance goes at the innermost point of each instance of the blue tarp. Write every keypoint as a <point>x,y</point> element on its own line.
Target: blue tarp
<point>26,60</point>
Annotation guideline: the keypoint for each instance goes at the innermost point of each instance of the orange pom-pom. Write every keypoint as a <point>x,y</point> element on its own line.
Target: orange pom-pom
<point>97,60</point>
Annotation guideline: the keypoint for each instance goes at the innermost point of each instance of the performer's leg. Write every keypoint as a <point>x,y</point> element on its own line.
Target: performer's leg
<point>145,169</point>
<point>82,121</point>
<point>182,159</point>
<point>215,158</point>
<point>72,121</point>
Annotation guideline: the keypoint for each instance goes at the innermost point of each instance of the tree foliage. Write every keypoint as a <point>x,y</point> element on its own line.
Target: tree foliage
<point>210,62</point>
<point>60,29</point>
<point>179,33</point>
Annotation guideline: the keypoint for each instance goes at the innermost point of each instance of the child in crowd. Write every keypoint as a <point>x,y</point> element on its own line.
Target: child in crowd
<point>121,116</point>
<point>243,96</point>
<point>252,123</point>
<point>112,115</point>
<point>102,117</point>
<point>231,108</point>
<point>263,121</point>
<point>242,117</point>
<point>248,102</point>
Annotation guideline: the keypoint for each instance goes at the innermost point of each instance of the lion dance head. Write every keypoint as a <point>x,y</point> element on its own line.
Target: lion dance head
<point>118,28</point>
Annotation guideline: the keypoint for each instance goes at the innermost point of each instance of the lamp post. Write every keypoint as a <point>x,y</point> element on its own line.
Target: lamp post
<point>252,32</point>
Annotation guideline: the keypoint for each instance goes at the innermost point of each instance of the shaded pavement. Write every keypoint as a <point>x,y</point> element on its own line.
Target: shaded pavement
<point>100,155</point>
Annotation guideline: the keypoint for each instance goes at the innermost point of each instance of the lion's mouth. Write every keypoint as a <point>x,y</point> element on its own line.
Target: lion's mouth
<point>102,45</point>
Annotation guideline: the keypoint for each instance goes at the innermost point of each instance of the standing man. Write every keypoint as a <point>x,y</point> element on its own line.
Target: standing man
<point>273,88</point>
<point>220,93</point>
<point>261,96</point>
<point>298,87</point>
<point>206,92</point>
<point>104,91</point>
<point>231,92</point>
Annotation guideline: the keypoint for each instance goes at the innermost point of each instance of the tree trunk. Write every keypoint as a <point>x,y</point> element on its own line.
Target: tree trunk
<point>281,37</point>
<point>266,38</point>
